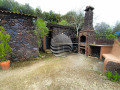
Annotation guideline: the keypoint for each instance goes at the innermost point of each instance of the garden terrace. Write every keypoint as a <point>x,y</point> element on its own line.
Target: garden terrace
<point>20,27</point>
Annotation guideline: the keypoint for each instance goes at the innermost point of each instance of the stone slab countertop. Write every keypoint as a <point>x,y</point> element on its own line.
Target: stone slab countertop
<point>99,45</point>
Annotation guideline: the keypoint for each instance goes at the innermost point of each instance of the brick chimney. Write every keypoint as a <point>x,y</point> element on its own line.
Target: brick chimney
<point>87,35</point>
<point>88,20</point>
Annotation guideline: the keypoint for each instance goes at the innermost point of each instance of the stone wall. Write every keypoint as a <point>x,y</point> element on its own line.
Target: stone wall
<point>104,41</point>
<point>23,41</point>
<point>67,30</point>
<point>60,29</point>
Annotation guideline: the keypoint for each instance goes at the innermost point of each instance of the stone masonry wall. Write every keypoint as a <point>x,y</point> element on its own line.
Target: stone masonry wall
<point>104,41</point>
<point>22,42</point>
<point>69,32</point>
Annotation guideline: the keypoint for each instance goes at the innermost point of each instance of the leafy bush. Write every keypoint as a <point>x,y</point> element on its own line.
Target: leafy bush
<point>111,36</point>
<point>63,22</point>
<point>41,30</point>
<point>4,46</point>
<point>113,77</point>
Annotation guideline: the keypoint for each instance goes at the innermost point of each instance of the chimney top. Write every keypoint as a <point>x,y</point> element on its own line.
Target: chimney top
<point>89,8</point>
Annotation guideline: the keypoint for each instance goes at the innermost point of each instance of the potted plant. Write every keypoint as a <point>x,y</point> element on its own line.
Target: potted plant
<point>4,49</point>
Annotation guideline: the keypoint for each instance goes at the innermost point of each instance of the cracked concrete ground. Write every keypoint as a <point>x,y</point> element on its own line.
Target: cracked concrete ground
<point>74,72</point>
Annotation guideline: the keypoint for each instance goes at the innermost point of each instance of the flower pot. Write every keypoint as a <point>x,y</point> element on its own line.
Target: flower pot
<point>5,64</point>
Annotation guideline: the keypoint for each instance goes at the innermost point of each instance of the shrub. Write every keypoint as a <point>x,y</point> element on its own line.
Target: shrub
<point>41,30</point>
<point>113,77</point>
<point>4,46</point>
<point>111,36</point>
<point>63,22</point>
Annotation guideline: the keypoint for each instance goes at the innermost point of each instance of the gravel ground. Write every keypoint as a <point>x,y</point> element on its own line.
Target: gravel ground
<point>74,72</point>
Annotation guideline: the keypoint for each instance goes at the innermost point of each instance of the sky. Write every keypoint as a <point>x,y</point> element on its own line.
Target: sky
<point>105,10</point>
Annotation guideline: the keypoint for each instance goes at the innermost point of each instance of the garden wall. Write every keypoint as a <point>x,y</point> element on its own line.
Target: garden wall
<point>23,41</point>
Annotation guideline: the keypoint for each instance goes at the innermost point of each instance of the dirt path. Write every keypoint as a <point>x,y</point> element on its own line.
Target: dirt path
<point>74,72</point>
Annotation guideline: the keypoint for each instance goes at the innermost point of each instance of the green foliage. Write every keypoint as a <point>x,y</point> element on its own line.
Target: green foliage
<point>112,77</point>
<point>63,22</point>
<point>4,46</point>
<point>119,43</point>
<point>40,55</point>
<point>75,19</point>
<point>15,7</point>
<point>32,32</point>
<point>98,35</point>
<point>117,27</point>
<point>41,30</point>
<point>69,17</point>
<point>41,27</point>
<point>38,12</point>
<point>51,17</point>
<point>111,36</point>
<point>101,27</point>
<point>102,30</point>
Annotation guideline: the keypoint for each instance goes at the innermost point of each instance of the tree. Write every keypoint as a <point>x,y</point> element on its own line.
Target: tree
<point>102,29</point>
<point>39,12</point>
<point>75,19</point>
<point>28,9</point>
<point>68,17</point>
<point>117,27</point>
<point>51,17</point>
<point>63,22</point>
<point>5,4</point>
<point>14,6</point>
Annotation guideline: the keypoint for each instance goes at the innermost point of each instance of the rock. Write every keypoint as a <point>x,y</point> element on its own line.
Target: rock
<point>35,49</point>
<point>16,59</point>
<point>113,66</point>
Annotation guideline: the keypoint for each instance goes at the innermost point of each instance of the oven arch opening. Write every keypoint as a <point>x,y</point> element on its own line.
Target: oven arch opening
<point>83,39</point>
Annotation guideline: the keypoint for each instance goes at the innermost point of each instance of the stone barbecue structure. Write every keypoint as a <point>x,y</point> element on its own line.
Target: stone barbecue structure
<point>87,35</point>
<point>23,41</point>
